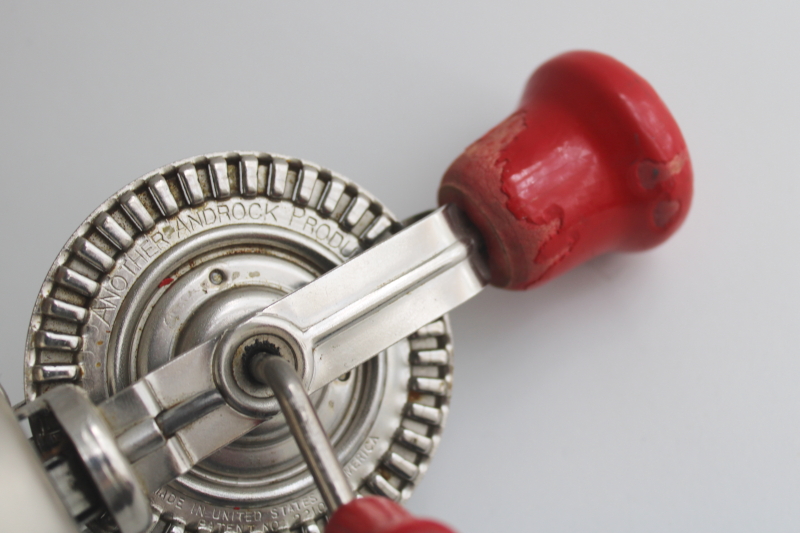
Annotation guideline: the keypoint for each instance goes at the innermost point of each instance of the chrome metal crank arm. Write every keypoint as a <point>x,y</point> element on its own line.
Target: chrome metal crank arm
<point>205,398</point>
<point>136,441</point>
<point>345,317</point>
<point>171,419</point>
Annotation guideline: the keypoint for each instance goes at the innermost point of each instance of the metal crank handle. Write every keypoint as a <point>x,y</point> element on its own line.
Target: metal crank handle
<point>161,426</point>
<point>591,162</point>
<point>346,514</point>
<point>153,431</point>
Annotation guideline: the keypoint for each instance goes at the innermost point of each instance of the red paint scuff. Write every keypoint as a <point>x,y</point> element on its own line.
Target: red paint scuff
<point>591,162</point>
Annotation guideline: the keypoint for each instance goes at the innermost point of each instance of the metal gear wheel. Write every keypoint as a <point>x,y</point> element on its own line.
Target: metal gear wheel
<point>180,254</point>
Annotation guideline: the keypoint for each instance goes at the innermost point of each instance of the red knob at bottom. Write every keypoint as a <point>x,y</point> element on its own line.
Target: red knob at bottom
<point>379,515</point>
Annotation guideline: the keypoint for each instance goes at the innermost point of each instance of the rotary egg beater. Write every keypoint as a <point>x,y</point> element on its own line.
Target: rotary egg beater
<point>248,341</point>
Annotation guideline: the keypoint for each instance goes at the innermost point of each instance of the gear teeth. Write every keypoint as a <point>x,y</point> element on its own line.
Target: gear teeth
<point>162,196</point>
<point>51,373</point>
<point>402,466</point>
<point>57,341</point>
<point>64,310</point>
<point>136,211</point>
<point>416,442</point>
<point>93,255</point>
<point>381,224</point>
<point>220,184</point>
<point>159,525</point>
<point>305,184</point>
<point>279,174</point>
<point>355,211</point>
<point>434,329</point>
<point>111,230</point>
<point>419,344</point>
<point>425,414</point>
<point>84,270</point>
<point>436,386</point>
<point>190,184</point>
<point>383,488</point>
<point>248,177</point>
<point>77,282</point>
<point>330,198</point>
<point>430,357</point>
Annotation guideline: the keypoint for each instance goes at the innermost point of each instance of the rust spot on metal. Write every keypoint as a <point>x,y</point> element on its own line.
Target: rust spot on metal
<point>165,282</point>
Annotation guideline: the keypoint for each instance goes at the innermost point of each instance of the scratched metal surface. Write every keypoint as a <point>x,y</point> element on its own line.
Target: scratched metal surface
<point>650,392</point>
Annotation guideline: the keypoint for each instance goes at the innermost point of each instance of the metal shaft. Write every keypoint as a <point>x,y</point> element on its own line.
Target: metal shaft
<point>306,428</point>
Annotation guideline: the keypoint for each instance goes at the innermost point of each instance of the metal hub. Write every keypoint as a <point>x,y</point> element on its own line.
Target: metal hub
<point>180,255</point>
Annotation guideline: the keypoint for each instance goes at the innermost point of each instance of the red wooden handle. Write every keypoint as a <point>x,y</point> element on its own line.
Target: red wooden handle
<point>591,162</point>
<point>379,515</point>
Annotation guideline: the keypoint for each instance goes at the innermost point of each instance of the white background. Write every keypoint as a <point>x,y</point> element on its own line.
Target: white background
<point>652,392</point>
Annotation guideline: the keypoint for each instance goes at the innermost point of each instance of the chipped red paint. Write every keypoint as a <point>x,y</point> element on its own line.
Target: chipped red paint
<point>591,162</point>
<point>165,282</point>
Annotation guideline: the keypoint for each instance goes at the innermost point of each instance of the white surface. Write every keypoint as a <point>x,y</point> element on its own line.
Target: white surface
<point>32,493</point>
<point>652,392</point>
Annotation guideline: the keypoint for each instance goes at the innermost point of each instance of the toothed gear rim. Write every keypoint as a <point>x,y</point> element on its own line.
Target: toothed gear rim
<point>194,246</point>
